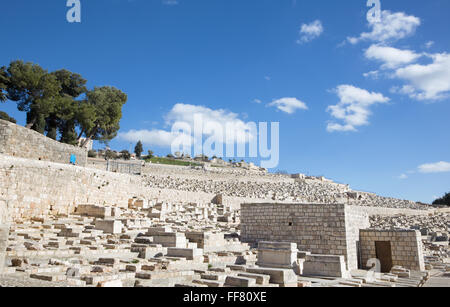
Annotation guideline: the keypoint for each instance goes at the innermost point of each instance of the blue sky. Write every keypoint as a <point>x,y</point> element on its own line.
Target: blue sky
<point>362,103</point>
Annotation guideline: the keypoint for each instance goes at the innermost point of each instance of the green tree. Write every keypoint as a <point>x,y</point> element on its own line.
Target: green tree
<point>125,154</point>
<point>92,154</point>
<point>110,155</point>
<point>445,200</point>
<point>151,154</point>
<point>66,109</point>
<point>100,114</point>
<point>34,90</point>
<point>138,149</point>
<point>6,117</point>
<point>4,80</point>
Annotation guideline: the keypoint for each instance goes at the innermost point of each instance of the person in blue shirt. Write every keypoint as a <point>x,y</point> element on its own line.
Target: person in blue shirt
<point>73,159</point>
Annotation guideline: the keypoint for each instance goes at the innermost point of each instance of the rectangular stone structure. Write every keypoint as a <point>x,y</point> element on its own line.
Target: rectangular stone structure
<point>209,242</point>
<point>406,247</point>
<point>277,254</point>
<point>94,211</point>
<point>188,253</point>
<point>324,229</point>
<point>325,265</point>
<point>282,277</point>
<point>170,239</point>
<point>109,226</point>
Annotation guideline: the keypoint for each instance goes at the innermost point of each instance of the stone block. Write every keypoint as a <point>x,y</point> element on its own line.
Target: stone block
<point>277,254</point>
<point>233,281</point>
<point>325,265</point>
<point>109,226</point>
<point>282,277</point>
<point>188,253</point>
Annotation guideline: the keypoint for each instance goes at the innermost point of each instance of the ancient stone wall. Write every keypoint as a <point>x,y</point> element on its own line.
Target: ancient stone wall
<point>21,142</point>
<point>39,188</point>
<point>406,247</point>
<point>330,229</point>
<point>4,231</point>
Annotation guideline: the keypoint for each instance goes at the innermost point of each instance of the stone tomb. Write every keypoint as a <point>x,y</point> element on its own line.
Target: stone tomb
<point>322,229</point>
<point>392,248</point>
<point>325,265</point>
<point>109,226</point>
<point>277,255</point>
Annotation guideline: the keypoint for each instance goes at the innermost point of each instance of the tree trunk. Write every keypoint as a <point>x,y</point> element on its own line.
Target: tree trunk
<point>87,140</point>
<point>80,135</point>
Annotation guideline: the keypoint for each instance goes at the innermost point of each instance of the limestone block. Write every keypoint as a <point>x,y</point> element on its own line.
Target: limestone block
<point>94,211</point>
<point>109,226</point>
<point>277,254</point>
<point>233,281</point>
<point>260,278</point>
<point>170,239</point>
<point>277,276</point>
<point>325,265</point>
<point>188,253</point>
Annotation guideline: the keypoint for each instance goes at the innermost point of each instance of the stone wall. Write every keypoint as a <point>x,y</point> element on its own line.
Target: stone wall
<point>330,229</point>
<point>4,232</point>
<point>21,142</point>
<point>39,188</point>
<point>356,218</point>
<point>406,247</point>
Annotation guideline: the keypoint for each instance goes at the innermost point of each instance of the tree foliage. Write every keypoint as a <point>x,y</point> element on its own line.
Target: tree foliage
<point>5,116</point>
<point>34,90</point>
<point>4,80</point>
<point>445,200</point>
<point>110,155</point>
<point>59,104</point>
<point>92,154</point>
<point>138,149</point>
<point>64,117</point>
<point>125,154</point>
<point>151,154</point>
<point>100,114</point>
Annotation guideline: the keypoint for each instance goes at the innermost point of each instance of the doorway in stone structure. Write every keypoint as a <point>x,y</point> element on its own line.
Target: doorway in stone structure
<point>384,254</point>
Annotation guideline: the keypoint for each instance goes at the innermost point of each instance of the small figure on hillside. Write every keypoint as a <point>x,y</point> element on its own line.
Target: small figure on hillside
<point>73,159</point>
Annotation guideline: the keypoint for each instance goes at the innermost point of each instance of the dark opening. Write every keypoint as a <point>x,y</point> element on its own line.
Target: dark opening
<point>384,254</point>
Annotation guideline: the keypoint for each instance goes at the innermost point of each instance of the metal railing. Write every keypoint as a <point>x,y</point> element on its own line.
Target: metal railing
<point>133,168</point>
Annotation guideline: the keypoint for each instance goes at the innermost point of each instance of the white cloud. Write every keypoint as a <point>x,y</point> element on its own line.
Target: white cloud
<point>353,108</point>
<point>170,2</point>
<point>257,101</point>
<point>391,57</point>
<point>392,27</point>
<point>153,137</point>
<point>427,82</point>
<point>310,31</point>
<point>439,167</point>
<point>403,177</point>
<point>375,74</point>
<point>186,115</point>
<point>288,105</point>
<point>429,44</point>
